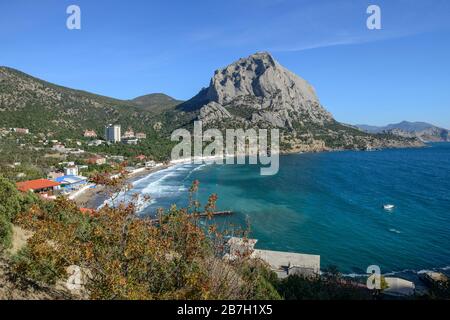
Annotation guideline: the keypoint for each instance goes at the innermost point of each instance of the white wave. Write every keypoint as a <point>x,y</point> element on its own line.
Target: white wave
<point>395,231</point>
<point>151,175</point>
<point>393,273</point>
<point>194,170</point>
<point>157,185</point>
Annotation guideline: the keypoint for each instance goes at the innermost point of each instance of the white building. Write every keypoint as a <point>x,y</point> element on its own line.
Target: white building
<point>113,133</point>
<point>71,171</point>
<point>95,143</point>
<point>130,141</point>
<point>150,164</point>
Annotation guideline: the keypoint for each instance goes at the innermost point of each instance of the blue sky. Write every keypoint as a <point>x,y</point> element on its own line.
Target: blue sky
<point>130,48</point>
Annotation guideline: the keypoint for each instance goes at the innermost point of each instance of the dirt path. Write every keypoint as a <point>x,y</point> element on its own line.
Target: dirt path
<point>19,239</point>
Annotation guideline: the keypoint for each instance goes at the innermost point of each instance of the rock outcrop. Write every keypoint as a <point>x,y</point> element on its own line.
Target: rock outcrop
<point>258,89</point>
<point>258,92</point>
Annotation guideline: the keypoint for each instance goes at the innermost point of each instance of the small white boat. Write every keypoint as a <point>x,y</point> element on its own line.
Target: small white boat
<point>388,207</point>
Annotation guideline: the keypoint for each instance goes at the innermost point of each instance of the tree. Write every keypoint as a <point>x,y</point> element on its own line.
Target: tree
<point>10,200</point>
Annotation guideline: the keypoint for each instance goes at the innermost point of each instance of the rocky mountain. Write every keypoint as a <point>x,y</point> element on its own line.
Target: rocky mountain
<point>258,89</point>
<point>259,92</point>
<point>421,130</point>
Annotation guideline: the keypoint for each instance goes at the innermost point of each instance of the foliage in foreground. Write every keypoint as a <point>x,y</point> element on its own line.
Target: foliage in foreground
<point>128,257</point>
<point>11,203</point>
<point>329,286</point>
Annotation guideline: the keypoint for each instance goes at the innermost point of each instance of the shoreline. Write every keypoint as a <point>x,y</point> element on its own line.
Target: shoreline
<point>410,275</point>
<point>94,196</point>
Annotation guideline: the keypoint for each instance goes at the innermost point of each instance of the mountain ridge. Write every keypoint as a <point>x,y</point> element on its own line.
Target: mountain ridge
<point>422,130</point>
<point>252,92</point>
<point>44,107</point>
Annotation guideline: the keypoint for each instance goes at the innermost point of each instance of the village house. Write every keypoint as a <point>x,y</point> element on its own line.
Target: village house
<point>75,151</point>
<point>95,143</point>
<point>21,130</point>
<point>54,174</point>
<point>90,134</point>
<point>3,131</point>
<point>128,134</point>
<point>150,164</point>
<point>97,160</point>
<point>38,186</point>
<point>130,141</point>
<point>141,157</point>
<point>141,135</point>
<point>117,158</point>
<point>71,170</point>
<point>71,183</point>
<point>59,147</point>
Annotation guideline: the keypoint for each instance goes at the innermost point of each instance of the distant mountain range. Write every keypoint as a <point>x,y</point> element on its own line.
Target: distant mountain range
<point>253,92</point>
<point>421,130</point>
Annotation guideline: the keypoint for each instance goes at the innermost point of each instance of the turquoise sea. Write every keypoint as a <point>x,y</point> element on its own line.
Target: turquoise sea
<point>330,204</point>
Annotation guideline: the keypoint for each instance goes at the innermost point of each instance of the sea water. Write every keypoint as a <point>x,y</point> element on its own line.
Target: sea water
<point>330,204</point>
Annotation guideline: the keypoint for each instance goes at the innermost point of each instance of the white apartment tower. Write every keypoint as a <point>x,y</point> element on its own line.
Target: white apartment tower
<point>112,133</point>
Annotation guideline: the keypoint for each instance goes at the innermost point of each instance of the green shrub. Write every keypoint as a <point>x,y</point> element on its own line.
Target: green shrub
<point>42,269</point>
<point>10,200</point>
<point>5,232</point>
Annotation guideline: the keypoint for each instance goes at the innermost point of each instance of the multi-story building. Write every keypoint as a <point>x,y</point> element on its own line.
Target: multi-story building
<point>112,133</point>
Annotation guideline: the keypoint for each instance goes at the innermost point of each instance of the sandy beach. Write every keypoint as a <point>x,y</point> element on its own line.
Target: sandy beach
<point>93,197</point>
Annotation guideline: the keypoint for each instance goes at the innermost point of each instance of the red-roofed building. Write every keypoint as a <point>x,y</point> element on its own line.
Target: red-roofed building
<point>40,185</point>
<point>21,130</point>
<point>97,160</point>
<point>90,134</point>
<point>141,157</point>
<point>128,134</point>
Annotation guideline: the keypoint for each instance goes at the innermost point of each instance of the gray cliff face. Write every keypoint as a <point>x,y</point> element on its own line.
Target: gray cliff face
<point>432,134</point>
<point>257,89</point>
